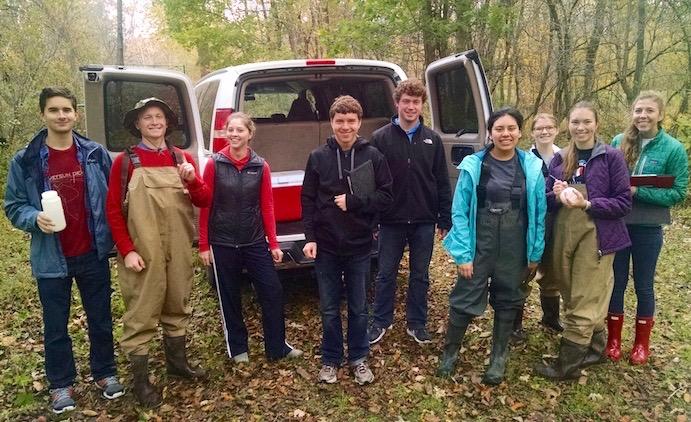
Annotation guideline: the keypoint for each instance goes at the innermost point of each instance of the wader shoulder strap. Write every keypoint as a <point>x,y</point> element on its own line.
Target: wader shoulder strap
<point>481,189</point>
<point>129,157</point>
<point>178,158</point>
<point>518,186</point>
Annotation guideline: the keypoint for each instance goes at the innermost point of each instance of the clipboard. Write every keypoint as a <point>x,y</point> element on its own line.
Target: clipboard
<point>361,180</point>
<point>654,180</point>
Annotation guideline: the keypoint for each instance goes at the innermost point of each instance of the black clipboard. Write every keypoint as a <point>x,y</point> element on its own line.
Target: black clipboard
<point>361,180</point>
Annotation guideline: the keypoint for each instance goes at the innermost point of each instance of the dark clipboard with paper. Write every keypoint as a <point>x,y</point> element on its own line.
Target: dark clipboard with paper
<point>361,180</point>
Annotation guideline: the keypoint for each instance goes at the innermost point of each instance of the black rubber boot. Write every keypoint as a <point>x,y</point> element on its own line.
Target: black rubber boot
<point>454,337</point>
<point>550,313</point>
<point>596,352</point>
<point>567,365</point>
<point>517,332</point>
<point>146,393</point>
<point>503,326</point>
<point>176,359</point>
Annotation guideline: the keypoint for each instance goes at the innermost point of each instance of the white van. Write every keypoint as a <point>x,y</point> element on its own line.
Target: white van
<point>289,102</point>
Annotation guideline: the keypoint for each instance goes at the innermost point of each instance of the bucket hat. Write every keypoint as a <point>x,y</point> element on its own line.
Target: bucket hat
<point>132,115</point>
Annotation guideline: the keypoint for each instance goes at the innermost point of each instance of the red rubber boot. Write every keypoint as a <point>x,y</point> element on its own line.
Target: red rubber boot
<point>641,346</point>
<point>613,348</point>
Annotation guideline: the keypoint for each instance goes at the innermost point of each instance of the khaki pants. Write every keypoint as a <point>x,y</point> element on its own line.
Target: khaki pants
<point>584,278</point>
<point>548,286</point>
<point>160,223</point>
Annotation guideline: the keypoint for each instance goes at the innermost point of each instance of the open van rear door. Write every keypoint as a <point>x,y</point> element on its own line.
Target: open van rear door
<point>460,103</point>
<point>110,91</point>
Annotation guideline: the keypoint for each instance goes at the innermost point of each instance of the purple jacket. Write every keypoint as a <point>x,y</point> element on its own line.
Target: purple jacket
<point>609,193</point>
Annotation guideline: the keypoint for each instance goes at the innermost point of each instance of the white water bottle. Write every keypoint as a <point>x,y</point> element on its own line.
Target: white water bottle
<point>52,206</point>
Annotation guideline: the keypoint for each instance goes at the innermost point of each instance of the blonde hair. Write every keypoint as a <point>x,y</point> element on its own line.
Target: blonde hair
<point>246,121</point>
<point>546,116</point>
<point>571,153</point>
<point>629,143</point>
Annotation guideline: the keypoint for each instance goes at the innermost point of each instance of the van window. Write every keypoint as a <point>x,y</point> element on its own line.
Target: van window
<point>374,95</point>
<point>456,104</point>
<point>121,96</point>
<point>206,97</point>
<point>269,101</point>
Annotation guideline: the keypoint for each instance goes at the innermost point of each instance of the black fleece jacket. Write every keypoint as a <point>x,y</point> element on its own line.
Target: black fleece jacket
<point>421,187</point>
<point>335,231</point>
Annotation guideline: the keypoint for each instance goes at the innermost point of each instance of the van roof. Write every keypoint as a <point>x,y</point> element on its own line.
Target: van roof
<point>304,63</point>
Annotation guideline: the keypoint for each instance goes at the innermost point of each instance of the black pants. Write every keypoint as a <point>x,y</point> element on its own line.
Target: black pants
<point>228,265</point>
<point>499,266</point>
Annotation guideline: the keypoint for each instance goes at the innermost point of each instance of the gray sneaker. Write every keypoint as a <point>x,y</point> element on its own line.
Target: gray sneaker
<point>363,375</point>
<point>328,374</point>
<point>111,387</point>
<point>241,358</point>
<point>376,333</point>
<point>61,400</point>
<point>420,335</point>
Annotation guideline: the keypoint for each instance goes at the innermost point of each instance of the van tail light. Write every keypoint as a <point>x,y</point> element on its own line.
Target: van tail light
<point>320,62</point>
<point>219,139</point>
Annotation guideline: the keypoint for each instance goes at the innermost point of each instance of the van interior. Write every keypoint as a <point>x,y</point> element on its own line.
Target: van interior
<point>292,119</point>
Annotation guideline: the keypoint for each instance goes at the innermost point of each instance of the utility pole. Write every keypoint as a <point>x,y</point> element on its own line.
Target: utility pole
<point>120,44</point>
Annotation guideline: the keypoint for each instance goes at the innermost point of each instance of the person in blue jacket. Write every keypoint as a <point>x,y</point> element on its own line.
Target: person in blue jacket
<point>60,159</point>
<point>497,234</point>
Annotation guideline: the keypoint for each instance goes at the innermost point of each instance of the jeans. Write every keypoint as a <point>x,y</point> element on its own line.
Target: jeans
<point>392,241</point>
<point>93,281</point>
<point>228,264</point>
<point>646,244</point>
<point>334,272</point>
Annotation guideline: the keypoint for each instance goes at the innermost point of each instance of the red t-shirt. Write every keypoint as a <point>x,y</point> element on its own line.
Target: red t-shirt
<point>66,176</point>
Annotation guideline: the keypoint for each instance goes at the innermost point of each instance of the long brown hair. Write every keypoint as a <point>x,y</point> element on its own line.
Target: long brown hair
<point>629,143</point>
<point>571,154</point>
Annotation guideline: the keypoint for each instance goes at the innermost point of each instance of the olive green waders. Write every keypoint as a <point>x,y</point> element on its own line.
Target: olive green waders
<point>585,282</point>
<point>499,268</point>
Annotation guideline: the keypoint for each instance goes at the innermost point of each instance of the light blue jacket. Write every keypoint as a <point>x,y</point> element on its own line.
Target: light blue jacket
<point>460,242</point>
<point>25,183</point>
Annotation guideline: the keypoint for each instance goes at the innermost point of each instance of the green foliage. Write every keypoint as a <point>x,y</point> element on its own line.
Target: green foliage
<point>41,44</point>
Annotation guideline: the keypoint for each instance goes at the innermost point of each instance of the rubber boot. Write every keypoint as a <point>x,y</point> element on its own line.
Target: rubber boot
<point>146,393</point>
<point>567,365</point>
<point>176,359</point>
<point>503,326</point>
<point>641,345</point>
<point>550,313</point>
<point>614,325</point>
<point>517,332</point>
<point>596,351</point>
<point>454,337</point>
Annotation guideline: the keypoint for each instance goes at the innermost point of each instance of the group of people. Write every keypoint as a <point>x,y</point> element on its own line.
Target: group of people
<point>564,214</point>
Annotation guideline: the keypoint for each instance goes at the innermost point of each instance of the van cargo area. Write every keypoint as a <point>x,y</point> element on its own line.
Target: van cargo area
<point>292,119</point>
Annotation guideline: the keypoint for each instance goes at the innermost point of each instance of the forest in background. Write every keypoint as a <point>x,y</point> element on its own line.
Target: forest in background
<point>539,55</point>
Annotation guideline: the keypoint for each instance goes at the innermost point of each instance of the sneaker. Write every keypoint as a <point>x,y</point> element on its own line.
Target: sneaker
<point>294,353</point>
<point>363,375</point>
<point>241,358</point>
<point>328,374</point>
<point>420,335</point>
<point>377,333</point>
<point>111,387</point>
<point>62,399</point>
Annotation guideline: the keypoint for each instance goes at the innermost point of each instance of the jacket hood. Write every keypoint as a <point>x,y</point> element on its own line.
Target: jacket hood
<point>33,149</point>
<point>599,148</point>
<point>359,142</point>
